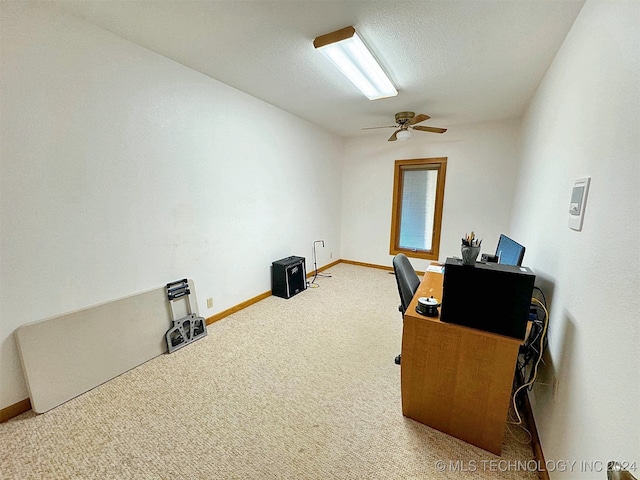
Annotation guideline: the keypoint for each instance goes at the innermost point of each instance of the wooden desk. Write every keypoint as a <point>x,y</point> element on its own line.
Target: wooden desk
<point>456,379</point>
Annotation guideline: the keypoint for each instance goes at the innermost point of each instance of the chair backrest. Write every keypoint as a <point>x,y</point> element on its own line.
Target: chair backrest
<point>407,280</point>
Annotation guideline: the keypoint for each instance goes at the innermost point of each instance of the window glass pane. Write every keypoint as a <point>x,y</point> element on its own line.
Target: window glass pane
<point>417,209</point>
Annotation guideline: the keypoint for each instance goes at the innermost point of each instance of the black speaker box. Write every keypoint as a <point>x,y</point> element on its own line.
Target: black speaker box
<point>491,297</point>
<point>288,277</point>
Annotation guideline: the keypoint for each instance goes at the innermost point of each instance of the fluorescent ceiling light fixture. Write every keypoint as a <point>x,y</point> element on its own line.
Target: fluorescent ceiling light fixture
<point>351,56</point>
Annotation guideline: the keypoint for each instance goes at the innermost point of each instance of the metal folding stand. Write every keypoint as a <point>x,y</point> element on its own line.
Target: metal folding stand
<point>187,329</point>
<point>317,274</point>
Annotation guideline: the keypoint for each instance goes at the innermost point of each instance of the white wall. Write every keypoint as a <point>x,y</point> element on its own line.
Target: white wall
<point>122,170</point>
<point>481,171</point>
<point>584,121</point>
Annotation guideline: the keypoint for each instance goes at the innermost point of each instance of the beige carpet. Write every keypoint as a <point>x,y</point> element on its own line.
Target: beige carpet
<point>304,388</point>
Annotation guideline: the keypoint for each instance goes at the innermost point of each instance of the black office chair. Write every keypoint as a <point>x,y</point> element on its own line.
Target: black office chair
<point>408,282</point>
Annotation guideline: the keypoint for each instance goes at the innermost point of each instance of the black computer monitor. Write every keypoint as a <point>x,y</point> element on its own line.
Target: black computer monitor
<point>509,252</point>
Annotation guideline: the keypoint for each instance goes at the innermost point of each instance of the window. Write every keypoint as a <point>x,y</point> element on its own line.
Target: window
<point>418,196</point>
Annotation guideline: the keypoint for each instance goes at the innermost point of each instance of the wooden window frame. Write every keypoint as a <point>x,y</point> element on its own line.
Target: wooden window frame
<point>439,164</point>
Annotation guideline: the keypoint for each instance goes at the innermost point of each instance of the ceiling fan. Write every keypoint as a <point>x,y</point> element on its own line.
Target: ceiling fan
<point>406,121</point>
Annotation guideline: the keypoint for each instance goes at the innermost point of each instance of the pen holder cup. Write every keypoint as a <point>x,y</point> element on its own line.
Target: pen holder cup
<point>469,254</point>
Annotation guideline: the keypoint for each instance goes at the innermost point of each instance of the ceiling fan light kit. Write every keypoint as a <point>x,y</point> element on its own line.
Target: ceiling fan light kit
<point>403,135</point>
<point>350,55</point>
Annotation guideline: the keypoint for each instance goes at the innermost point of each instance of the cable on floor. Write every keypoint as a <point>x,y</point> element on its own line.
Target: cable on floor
<point>534,347</point>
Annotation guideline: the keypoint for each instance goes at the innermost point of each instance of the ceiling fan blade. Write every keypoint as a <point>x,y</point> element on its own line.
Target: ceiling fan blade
<point>421,117</point>
<point>393,137</point>
<point>430,129</point>
<point>386,126</point>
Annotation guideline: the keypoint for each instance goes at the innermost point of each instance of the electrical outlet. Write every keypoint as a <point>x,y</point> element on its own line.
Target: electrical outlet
<point>209,302</point>
<point>331,255</point>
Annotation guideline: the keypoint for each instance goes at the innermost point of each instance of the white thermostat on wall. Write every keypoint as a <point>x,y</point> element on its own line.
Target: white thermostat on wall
<point>578,201</point>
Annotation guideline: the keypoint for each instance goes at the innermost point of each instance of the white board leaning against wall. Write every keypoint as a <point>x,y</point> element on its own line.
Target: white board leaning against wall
<point>67,355</point>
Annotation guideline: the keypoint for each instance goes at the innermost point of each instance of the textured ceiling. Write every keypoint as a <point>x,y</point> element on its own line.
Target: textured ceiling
<point>457,61</point>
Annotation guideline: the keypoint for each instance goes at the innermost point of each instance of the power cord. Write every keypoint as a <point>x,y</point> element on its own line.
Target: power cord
<point>541,338</point>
